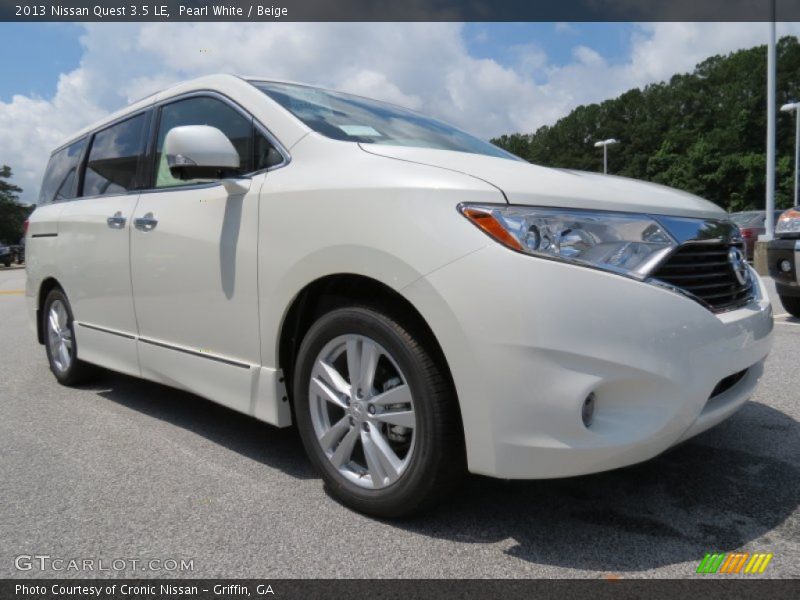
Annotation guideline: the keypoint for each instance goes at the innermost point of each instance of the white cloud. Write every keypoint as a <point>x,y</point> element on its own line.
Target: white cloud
<point>372,83</point>
<point>31,127</point>
<point>588,57</point>
<point>562,27</point>
<point>421,65</point>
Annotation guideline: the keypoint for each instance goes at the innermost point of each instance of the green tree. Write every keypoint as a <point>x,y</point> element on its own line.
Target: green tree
<point>703,132</point>
<point>12,213</point>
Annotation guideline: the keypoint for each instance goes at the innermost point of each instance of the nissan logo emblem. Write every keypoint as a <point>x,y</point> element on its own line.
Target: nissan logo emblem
<point>739,265</point>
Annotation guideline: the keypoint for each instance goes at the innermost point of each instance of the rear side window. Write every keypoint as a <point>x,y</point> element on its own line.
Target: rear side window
<point>114,158</point>
<point>59,178</point>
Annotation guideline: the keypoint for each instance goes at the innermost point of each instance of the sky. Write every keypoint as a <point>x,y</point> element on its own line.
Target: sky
<point>487,78</point>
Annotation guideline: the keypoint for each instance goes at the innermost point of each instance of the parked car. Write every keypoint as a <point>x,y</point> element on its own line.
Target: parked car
<point>6,255</point>
<point>418,301</point>
<point>18,253</point>
<point>21,253</point>
<point>782,255</point>
<point>752,223</point>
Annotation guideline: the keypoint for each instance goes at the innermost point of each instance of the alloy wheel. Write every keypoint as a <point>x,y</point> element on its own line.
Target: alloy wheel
<point>59,336</point>
<point>362,411</point>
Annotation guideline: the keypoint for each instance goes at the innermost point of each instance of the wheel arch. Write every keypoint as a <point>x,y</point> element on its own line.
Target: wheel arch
<point>48,284</point>
<point>344,289</point>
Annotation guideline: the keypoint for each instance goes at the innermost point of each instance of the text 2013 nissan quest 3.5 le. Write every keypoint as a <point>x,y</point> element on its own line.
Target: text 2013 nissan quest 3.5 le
<point>419,302</point>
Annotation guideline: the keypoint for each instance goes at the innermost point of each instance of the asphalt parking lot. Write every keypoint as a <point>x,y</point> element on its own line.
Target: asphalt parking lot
<point>129,469</point>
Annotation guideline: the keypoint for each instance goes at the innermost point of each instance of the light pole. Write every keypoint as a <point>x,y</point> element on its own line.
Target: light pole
<point>605,144</point>
<point>795,107</point>
<point>770,191</point>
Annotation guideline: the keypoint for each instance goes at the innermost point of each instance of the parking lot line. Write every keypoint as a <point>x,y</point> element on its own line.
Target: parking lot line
<point>10,292</point>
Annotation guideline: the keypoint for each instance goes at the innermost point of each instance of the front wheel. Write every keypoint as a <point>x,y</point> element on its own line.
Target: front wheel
<point>792,305</point>
<point>376,414</point>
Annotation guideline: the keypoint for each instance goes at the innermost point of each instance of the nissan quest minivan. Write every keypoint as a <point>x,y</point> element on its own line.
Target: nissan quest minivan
<point>417,301</point>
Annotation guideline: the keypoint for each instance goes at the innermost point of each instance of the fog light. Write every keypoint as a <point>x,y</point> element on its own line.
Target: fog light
<point>785,266</point>
<point>587,411</point>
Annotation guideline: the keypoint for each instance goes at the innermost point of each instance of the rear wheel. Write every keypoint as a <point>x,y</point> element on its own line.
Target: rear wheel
<point>59,341</point>
<point>375,413</point>
<point>792,305</point>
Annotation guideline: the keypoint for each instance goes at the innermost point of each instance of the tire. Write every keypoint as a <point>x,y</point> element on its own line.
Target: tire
<point>64,363</point>
<point>792,305</point>
<point>7,263</point>
<point>430,454</point>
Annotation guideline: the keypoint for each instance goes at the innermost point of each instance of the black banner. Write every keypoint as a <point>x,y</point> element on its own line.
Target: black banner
<point>716,588</point>
<point>407,10</point>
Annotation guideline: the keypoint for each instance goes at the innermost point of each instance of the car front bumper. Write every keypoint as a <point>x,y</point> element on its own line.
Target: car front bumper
<point>528,339</point>
<point>786,282</point>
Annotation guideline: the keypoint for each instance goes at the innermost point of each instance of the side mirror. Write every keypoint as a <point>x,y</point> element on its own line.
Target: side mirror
<point>200,152</point>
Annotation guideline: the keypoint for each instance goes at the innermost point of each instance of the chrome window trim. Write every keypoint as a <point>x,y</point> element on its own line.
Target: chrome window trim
<point>106,124</point>
<point>84,159</point>
<point>89,136</point>
<point>193,186</point>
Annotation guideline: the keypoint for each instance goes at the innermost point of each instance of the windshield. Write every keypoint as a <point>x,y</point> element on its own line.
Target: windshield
<point>355,119</point>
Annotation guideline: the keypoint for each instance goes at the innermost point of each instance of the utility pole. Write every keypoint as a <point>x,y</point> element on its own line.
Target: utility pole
<point>770,203</point>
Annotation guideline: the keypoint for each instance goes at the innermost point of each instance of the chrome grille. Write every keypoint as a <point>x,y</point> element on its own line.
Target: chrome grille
<point>703,270</point>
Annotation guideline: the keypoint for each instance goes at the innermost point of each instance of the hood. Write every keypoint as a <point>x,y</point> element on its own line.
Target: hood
<point>525,183</point>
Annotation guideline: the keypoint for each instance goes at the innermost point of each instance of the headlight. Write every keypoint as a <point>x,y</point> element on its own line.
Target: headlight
<point>631,244</point>
<point>789,222</point>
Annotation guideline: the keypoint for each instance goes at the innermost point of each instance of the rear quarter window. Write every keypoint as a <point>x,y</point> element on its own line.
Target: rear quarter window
<point>61,173</point>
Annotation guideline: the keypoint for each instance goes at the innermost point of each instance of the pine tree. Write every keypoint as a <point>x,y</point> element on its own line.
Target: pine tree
<point>12,213</point>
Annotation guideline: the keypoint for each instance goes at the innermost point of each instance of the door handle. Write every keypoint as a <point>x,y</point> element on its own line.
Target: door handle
<point>145,223</point>
<point>117,221</point>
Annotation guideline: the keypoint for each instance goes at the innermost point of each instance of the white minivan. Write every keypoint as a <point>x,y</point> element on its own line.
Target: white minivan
<point>418,301</point>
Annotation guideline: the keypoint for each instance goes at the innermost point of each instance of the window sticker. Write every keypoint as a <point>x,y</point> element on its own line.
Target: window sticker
<point>360,130</point>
